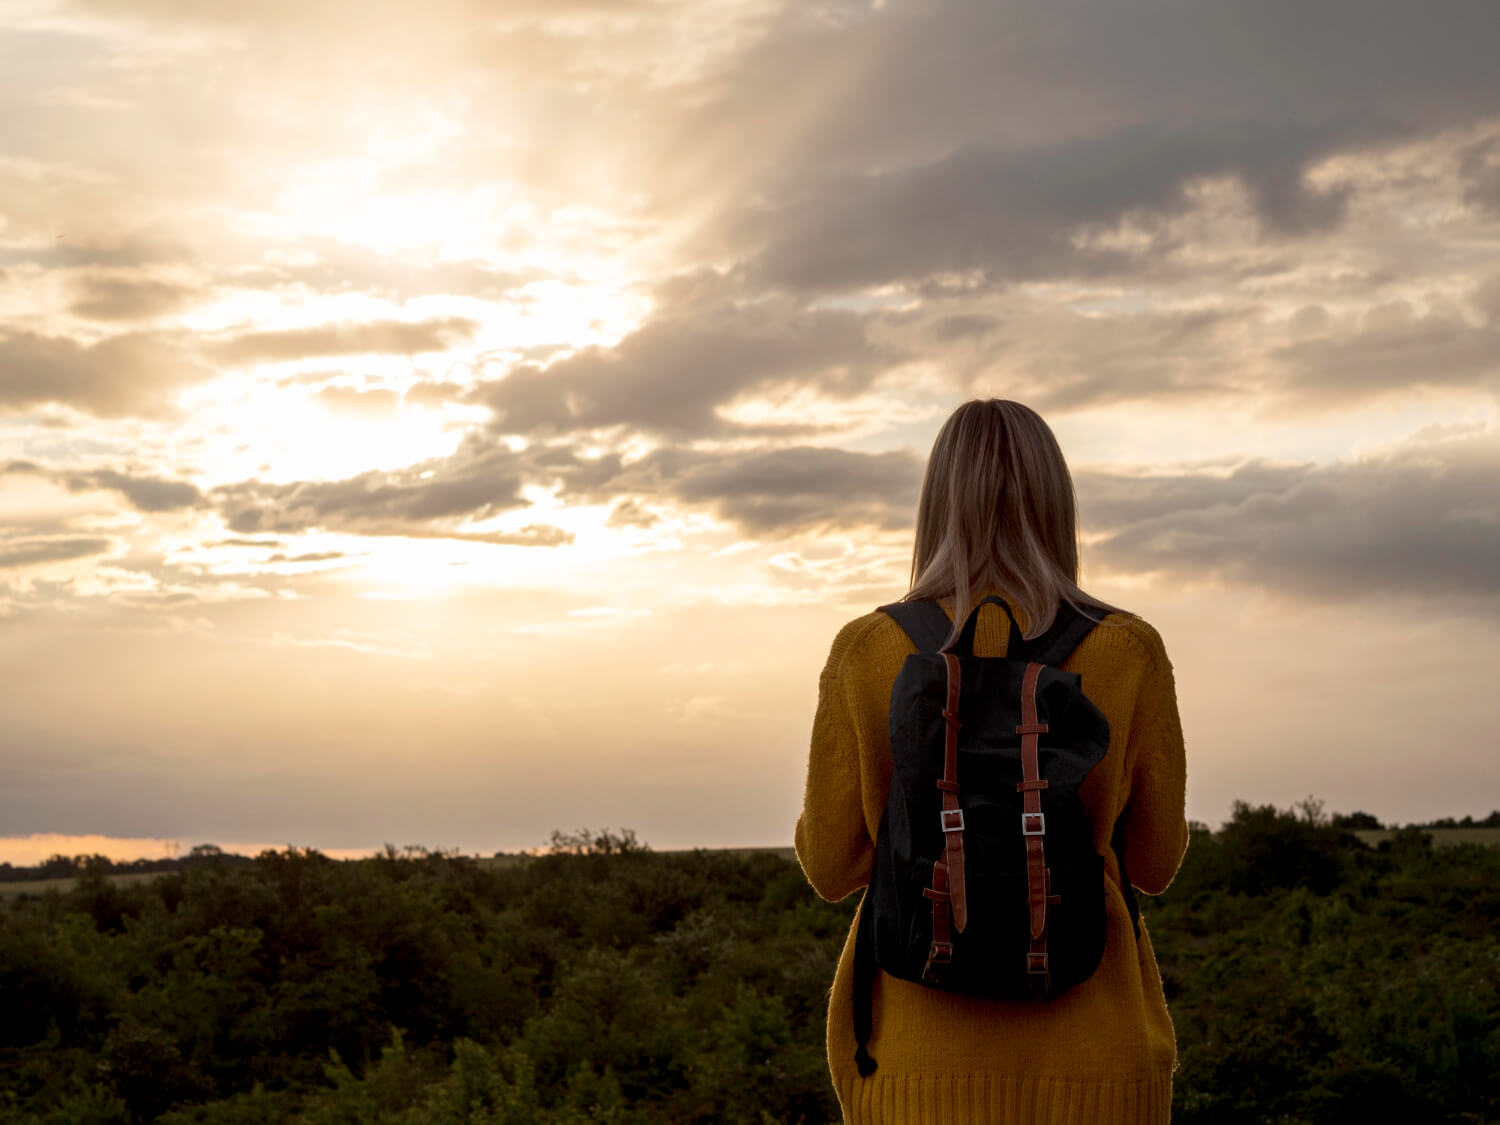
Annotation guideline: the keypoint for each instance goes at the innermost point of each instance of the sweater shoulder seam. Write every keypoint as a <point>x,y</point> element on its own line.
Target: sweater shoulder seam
<point>852,635</point>
<point>1144,637</point>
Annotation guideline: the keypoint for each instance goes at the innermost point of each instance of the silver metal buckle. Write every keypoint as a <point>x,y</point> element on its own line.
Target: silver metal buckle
<point>1041,824</point>
<point>951,819</point>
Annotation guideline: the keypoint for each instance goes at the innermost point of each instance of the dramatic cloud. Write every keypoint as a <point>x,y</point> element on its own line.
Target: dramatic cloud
<point>1111,501</point>
<point>1481,170</point>
<point>770,493</point>
<point>135,373</point>
<point>33,552</point>
<point>674,374</point>
<point>1423,520</point>
<point>120,298</point>
<point>145,493</point>
<point>379,503</point>
<point>1393,348</point>
<point>971,149</point>
<point>1006,215</point>
<point>780,492</point>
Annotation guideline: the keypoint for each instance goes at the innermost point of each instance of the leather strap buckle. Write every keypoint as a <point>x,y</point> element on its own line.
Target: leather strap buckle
<point>952,819</point>
<point>1033,824</point>
<point>941,953</point>
<point>1036,963</point>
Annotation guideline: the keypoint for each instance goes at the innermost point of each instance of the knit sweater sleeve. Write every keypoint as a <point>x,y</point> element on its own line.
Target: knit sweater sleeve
<point>1155,815</point>
<point>833,840</point>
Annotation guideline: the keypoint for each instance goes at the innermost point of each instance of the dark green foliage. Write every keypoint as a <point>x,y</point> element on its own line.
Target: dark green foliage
<point>143,1066</point>
<point>600,983</point>
<point>1311,979</point>
<point>1334,983</point>
<point>1262,849</point>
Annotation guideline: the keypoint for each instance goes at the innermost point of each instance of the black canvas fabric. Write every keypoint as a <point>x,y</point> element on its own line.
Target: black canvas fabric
<point>989,956</point>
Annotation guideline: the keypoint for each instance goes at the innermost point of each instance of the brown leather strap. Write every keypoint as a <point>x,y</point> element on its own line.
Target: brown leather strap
<point>940,952</point>
<point>1033,828</point>
<point>949,906</point>
<point>952,816</point>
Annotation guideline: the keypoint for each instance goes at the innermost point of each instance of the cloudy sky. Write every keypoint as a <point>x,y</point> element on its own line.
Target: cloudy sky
<point>474,419</point>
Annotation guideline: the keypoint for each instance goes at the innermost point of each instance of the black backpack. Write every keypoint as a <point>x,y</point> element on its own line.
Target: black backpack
<point>985,878</point>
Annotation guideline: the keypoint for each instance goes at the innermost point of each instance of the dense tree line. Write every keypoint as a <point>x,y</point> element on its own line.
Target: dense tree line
<point>1311,979</point>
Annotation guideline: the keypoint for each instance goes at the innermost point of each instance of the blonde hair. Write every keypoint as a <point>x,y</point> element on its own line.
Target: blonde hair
<point>998,512</point>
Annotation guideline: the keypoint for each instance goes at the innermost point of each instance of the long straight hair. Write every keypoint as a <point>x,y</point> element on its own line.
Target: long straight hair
<point>998,512</point>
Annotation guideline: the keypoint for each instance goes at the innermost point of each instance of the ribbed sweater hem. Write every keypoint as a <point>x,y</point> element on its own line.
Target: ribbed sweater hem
<point>1002,1099</point>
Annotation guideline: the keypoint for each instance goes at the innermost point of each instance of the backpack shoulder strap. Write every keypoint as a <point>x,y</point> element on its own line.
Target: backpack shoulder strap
<point>924,622</point>
<point>1054,646</point>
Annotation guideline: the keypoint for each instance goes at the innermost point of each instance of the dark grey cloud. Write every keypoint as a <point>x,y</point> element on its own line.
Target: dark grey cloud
<point>1014,213</point>
<point>981,136</point>
<point>671,375</point>
<point>779,491</point>
<point>380,336</point>
<point>117,298</point>
<point>134,373</point>
<point>960,326</point>
<point>1422,520</point>
<point>1393,348</point>
<point>1115,501</point>
<point>768,493</point>
<point>1005,214</point>
<point>30,552</point>
<point>632,513</point>
<point>145,493</point>
<point>1480,166</point>
<point>474,484</point>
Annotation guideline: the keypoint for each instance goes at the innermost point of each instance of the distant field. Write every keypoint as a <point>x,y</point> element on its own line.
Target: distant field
<point>41,886</point>
<point>1441,837</point>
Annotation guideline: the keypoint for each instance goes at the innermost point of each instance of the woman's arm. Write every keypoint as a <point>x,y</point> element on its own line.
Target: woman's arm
<point>1155,816</point>
<point>833,842</point>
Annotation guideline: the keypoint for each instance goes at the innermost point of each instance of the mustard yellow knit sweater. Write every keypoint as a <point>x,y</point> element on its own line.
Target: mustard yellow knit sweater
<point>1102,1052</point>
